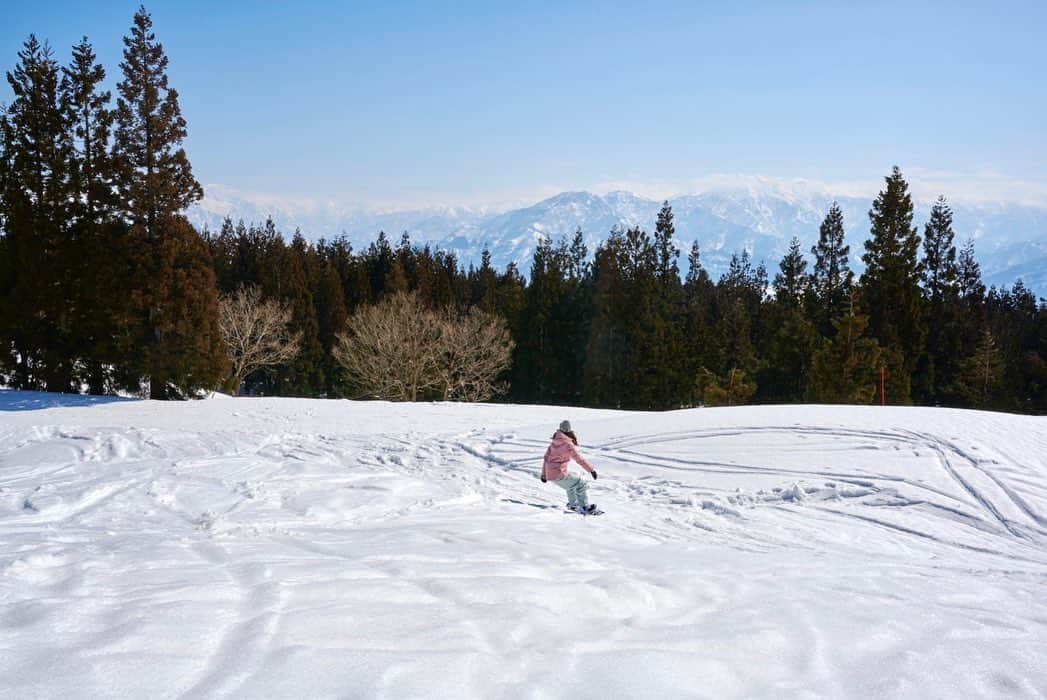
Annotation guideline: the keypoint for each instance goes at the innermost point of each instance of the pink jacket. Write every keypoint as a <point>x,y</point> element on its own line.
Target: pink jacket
<point>558,454</point>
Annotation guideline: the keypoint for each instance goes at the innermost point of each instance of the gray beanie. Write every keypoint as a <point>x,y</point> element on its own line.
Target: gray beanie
<point>565,426</point>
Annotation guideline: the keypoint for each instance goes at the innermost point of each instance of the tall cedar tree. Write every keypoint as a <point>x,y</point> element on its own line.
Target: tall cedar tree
<point>844,369</point>
<point>155,184</point>
<point>35,321</point>
<point>7,267</point>
<point>1012,322</point>
<point>699,300</point>
<point>575,318</point>
<point>100,298</point>
<point>790,336</point>
<point>542,358</point>
<point>740,295</point>
<point>483,284</point>
<point>305,375</point>
<point>831,278</point>
<point>153,176</point>
<point>669,361</point>
<point>891,284</point>
<point>790,283</point>
<point>644,367</point>
<point>192,357</point>
<point>92,123</point>
<point>331,320</point>
<point>971,295</point>
<point>604,355</point>
<point>941,272</point>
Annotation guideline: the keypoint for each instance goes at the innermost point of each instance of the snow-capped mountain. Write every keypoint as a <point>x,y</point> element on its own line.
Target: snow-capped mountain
<point>757,214</point>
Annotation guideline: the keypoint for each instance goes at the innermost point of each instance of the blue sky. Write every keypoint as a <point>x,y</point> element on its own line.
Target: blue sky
<point>475,101</point>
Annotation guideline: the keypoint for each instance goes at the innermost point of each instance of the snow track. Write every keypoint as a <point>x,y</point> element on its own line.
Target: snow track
<point>286,548</point>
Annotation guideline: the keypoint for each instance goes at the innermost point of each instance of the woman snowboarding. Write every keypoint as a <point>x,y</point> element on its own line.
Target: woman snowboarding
<point>554,468</point>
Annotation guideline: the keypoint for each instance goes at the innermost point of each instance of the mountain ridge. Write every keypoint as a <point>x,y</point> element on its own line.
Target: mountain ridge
<point>756,214</point>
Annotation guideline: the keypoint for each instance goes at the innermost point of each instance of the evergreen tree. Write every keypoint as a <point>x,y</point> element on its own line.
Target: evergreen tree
<point>969,283</point>
<point>790,337</point>
<point>941,360</point>
<point>331,319</point>
<point>379,259</point>
<point>155,184</point>
<point>605,355</point>
<point>1011,319</point>
<point>1036,365</point>
<point>890,283</point>
<point>510,304</point>
<point>484,284</point>
<point>395,281</point>
<point>443,286</point>
<point>262,258</point>
<point>648,374</point>
<point>543,358</point>
<point>305,375</point>
<point>846,368</point>
<point>152,172</point>
<point>700,301</point>
<point>575,317</point>
<point>192,357</point>
<point>743,281</point>
<point>736,334</point>
<point>697,276</point>
<point>99,259</point>
<point>223,248</point>
<point>831,278</point>
<point>579,267</point>
<point>970,292</point>
<point>669,347</point>
<point>940,270</point>
<point>734,389</point>
<point>740,294</point>
<point>982,376</point>
<point>790,284</point>
<point>92,118</point>
<point>35,321</point>
<point>665,247</point>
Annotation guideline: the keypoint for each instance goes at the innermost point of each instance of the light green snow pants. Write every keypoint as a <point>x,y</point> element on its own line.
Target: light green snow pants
<point>575,488</point>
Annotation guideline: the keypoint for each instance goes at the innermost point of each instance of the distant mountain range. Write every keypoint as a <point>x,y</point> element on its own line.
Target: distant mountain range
<point>760,215</point>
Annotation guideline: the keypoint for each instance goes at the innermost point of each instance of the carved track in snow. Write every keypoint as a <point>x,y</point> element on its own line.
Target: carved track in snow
<point>677,468</point>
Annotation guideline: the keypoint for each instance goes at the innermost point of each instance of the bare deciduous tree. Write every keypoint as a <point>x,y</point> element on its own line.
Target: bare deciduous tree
<point>399,350</point>
<point>390,350</point>
<point>477,349</point>
<point>257,333</point>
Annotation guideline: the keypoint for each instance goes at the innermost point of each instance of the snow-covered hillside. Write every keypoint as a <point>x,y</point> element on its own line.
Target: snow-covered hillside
<point>307,548</point>
<point>760,215</point>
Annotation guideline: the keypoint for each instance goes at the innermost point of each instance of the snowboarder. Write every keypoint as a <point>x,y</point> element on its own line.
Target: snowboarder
<point>561,451</point>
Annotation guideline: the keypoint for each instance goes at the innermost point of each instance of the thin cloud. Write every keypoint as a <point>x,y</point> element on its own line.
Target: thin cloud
<point>973,188</point>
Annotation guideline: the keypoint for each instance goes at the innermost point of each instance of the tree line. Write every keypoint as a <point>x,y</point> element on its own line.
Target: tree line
<point>105,287</point>
<point>103,282</point>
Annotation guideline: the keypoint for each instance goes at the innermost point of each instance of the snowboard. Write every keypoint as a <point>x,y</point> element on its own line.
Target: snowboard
<point>594,511</point>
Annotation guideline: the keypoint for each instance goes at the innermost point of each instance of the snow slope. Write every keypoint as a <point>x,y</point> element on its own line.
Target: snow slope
<point>301,548</point>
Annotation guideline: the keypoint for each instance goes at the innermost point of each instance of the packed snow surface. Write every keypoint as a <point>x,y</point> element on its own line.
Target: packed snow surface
<point>298,548</point>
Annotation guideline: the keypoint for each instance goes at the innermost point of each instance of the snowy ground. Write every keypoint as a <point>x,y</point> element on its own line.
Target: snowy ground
<point>293,548</point>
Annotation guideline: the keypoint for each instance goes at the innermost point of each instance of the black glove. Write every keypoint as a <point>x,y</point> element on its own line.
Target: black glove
<point>594,474</point>
<point>544,479</point>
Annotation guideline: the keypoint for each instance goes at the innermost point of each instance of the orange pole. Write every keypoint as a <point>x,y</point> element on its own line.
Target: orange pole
<point>883,386</point>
